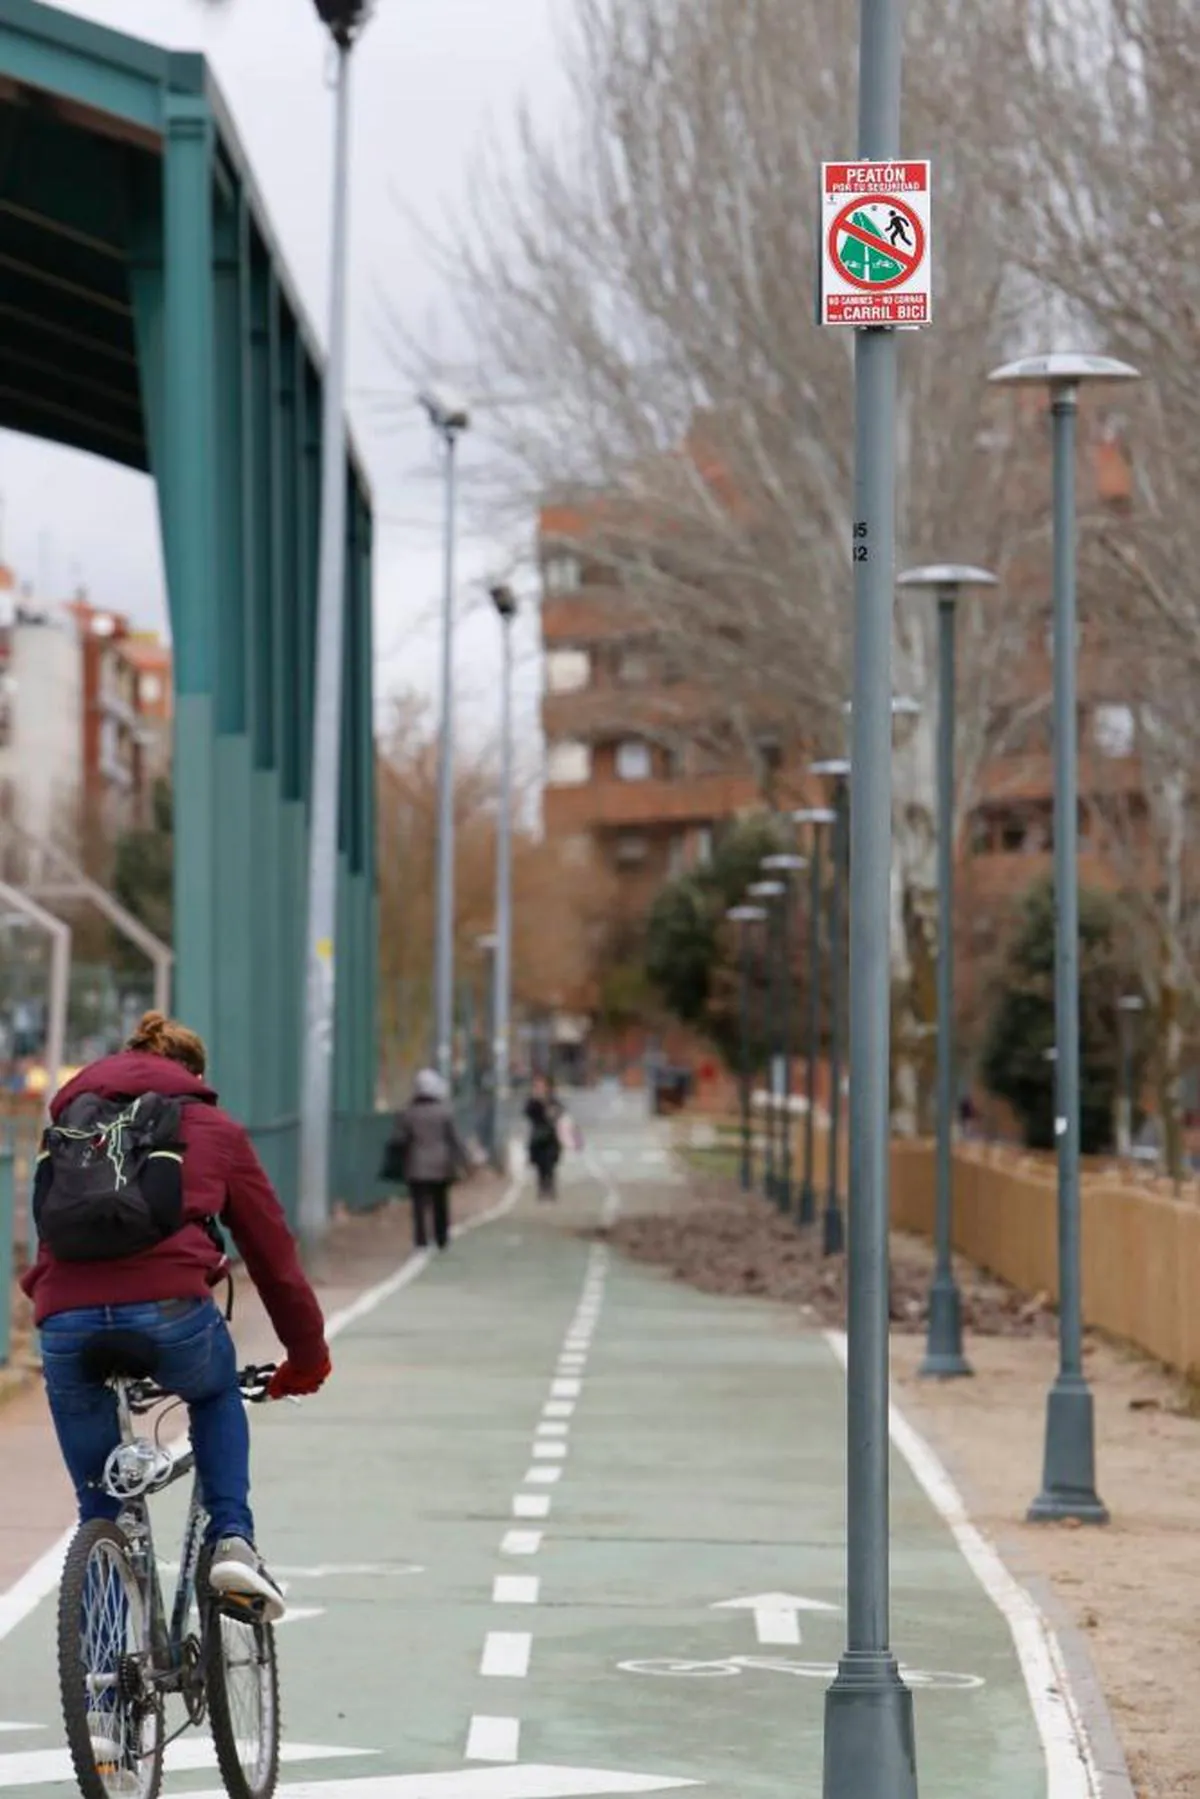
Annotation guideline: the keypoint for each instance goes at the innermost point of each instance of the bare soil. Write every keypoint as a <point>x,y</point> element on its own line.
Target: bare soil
<point>1132,1587</point>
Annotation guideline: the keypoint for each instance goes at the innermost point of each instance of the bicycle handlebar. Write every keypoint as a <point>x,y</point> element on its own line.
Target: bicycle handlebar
<point>254,1382</point>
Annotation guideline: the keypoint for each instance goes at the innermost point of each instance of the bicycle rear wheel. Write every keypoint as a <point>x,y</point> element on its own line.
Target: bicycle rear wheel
<point>242,1679</point>
<point>111,1708</point>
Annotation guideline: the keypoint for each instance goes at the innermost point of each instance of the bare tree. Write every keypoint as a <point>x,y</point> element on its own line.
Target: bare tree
<point>645,291</point>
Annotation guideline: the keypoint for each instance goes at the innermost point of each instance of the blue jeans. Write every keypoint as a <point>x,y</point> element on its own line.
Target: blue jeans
<point>196,1361</point>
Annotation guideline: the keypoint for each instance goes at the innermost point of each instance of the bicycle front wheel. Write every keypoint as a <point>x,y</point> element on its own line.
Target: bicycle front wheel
<point>111,1707</point>
<point>242,1679</point>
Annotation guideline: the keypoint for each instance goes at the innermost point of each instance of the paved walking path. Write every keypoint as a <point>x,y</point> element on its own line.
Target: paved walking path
<point>513,1526</point>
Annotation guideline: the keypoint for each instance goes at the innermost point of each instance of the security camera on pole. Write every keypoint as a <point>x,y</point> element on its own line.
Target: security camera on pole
<point>1069,1470</point>
<point>450,418</point>
<point>944,1358</point>
<point>344,19</point>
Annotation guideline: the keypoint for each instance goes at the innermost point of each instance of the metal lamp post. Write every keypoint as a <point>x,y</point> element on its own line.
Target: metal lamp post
<point>1128,1007</point>
<point>772,892</point>
<point>344,20</point>
<point>449,418</point>
<point>743,917</point>
<point>944,1358</point>
<point>1069,1470</point>
<point>833,1232</point>
<point>817,817</point>
<point>486,945</point>
<point>505,602</point>
<point>786,867</point>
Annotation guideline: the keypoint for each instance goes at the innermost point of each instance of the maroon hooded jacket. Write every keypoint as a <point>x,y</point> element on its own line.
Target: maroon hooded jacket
<point>222,1177</point>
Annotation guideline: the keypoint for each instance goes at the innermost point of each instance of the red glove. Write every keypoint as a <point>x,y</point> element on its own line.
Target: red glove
<point>291,1382</point>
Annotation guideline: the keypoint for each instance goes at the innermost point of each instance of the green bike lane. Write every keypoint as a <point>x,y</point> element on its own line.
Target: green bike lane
<point>523,1531</point>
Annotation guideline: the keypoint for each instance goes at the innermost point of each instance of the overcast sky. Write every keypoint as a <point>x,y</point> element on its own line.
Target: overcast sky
<point>431,77</point>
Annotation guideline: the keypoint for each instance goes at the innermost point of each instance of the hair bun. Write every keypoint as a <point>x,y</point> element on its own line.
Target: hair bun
<point>151,1030</point>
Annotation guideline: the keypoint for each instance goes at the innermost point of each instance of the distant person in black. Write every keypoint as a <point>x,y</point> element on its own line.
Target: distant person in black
<point>543,1112</point>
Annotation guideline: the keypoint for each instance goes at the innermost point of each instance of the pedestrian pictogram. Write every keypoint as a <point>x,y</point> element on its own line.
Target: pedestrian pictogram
<point>875,244</point>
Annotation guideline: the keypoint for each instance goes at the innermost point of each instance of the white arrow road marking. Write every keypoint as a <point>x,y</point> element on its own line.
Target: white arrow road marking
<point>532,1781</point>
<point>43,1767</point>
<point>776,1615</point>
<point>493,1739</point>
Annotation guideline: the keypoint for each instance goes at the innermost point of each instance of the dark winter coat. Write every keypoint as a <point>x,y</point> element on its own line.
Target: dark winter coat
<point>425,1144</point>
<point>222,1178</point>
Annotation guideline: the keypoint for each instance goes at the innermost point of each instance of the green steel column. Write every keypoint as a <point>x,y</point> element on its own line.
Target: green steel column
<point>189,531</point>
<point>257,643</point>
<point>366,675</point>
<point>236,865</point>
<point>288,904</point>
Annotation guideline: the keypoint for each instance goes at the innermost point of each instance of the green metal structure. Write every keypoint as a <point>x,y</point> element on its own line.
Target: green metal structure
<point>146,315</point>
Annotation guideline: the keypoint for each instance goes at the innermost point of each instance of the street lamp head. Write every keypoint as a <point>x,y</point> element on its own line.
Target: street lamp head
<point>343,19</point>
<point>784,864</point>
<point>487,942</point>
<point>1062,368</point>
<point>448,412</point>
<point>815,815</point>
<point>504,600</point>
<point>938,576</point>
<point>760,890</point>
<point>745,914</point>
<point>834,768</point>
<point>1131,1002</point>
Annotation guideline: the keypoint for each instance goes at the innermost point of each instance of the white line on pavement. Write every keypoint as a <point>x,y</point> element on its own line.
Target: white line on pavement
<point>558,1408</point>
<point>1070,1766</point>
<point>493,1739</point>
<point>543,1476</point>
<point>506,1654</point>
<point>531,1505</point>
<point>566,1389</point>
<point>515,1589</point>
<point>552,1428</point>
<point>521,1542</point>
<point>549,1452</point>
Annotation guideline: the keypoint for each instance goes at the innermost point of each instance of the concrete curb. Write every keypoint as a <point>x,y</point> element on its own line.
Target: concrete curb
<point>1111,1766</point>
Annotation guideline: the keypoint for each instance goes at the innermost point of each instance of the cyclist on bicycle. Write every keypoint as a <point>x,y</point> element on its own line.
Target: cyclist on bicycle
<point>152,1285</point>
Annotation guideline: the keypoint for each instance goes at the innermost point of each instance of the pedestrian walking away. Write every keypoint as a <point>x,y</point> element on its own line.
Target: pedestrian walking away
<point>428,1155</point>
<point>544,1114</point>
<point>136,1167</point>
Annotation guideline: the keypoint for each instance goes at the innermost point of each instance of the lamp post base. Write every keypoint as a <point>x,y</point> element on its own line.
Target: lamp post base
<point>944,1358</point>
<point>870,1744</point>
<point>1069,1468</point>
<point>833,1231</point>
<point>808,1204</point>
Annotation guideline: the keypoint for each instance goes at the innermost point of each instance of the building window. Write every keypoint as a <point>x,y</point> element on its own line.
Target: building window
<point>150,690</point>
<point>633,760</point>
<point>633,668</point>
<point>568,764</point>
<point>567,671</point>
<point>562,573</point>
<point>631,847</point>
<point>1113,730</point>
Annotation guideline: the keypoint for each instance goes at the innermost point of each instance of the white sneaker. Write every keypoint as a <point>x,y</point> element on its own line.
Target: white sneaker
<point>239,1575</point>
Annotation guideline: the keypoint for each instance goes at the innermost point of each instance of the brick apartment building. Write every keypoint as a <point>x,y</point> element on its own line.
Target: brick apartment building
<point>85,711</point>
<point>641,770</point>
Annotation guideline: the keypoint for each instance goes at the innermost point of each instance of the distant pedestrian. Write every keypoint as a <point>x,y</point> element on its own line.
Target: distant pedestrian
<point>428,1155</point>
<point>544,1115</point>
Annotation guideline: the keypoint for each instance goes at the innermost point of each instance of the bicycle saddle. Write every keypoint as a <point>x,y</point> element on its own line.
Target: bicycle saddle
<point>119,1355</point>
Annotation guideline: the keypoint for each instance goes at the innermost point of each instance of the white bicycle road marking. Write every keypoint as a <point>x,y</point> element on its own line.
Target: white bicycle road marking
<point>670,1667</point>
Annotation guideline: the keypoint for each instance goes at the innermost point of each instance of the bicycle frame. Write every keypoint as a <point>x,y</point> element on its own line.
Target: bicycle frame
<point>166,1642</point>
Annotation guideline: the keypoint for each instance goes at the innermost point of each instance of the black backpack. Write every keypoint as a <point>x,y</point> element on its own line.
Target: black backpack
<point>109,1179</point>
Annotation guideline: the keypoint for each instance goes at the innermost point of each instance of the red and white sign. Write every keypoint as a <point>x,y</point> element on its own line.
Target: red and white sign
<point>875,244</point>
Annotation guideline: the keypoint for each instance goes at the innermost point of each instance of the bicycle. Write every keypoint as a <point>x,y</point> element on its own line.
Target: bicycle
<point>119,1658</point>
